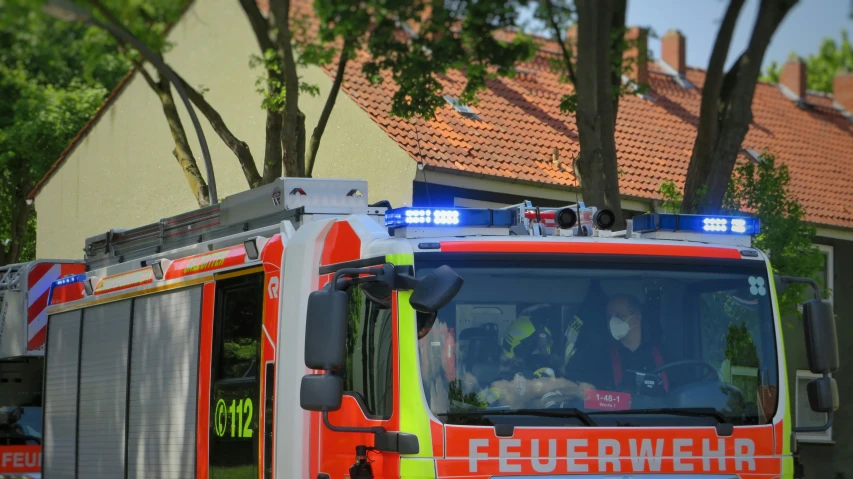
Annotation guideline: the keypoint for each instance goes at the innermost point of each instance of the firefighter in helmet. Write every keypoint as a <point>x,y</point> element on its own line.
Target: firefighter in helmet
<point>533,373</point>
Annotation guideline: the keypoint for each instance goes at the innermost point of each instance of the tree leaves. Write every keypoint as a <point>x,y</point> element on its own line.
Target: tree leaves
<point>762,190</point>
<point>456,34</point>
<point>53,77</point>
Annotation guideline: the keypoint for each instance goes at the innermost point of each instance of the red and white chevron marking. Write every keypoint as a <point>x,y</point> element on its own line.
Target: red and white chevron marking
<point>39,280</point>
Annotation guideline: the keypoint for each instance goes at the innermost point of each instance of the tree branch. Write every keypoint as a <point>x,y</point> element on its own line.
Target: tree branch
<point>736,101</point>
<point>567,54</point>
<point>237,146</point>
<point>183,152</point>
<point>706,131</point>
<point>314,145</point>
<point>260,26</point>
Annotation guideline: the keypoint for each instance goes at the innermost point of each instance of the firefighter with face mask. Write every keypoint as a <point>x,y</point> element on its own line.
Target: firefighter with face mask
<point>628,351</point>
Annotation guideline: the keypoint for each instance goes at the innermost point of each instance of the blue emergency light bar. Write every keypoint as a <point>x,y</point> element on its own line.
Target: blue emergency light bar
<point>731,225</point>
<point>460,217</point>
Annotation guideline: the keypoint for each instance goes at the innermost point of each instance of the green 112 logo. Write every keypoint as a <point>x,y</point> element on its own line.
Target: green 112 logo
<point>238,414</point>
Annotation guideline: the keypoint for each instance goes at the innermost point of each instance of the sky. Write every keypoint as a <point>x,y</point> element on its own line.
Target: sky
<point>802,30</point>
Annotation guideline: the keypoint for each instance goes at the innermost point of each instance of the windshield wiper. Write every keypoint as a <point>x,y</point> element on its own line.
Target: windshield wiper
<point>558,413</point>
<point>724,426</point>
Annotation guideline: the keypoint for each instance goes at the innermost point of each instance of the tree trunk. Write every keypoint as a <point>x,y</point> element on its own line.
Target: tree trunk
<point>300,144</point>
<point>314,145</point>
<point>612,30</point>
<point>294,160</point>
<point>706,132</point>
<point>273,149</point>
<point>617,39</point>
<point>735,111</point>
<point>596,166</point>
<point>590,163</point>
<point>182,151</point>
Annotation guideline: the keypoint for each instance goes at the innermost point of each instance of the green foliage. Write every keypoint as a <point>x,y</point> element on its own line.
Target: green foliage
<point>833,56</point>
<point>458,34</point>
<point>762,190</point>
<point>269,87</point>
<point>673,197</point>
<point>53,76</point>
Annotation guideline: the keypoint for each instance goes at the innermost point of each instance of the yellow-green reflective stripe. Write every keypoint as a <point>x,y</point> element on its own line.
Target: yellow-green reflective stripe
<point>787,425</point>
<point>413,415</point>
<point>417,468</point>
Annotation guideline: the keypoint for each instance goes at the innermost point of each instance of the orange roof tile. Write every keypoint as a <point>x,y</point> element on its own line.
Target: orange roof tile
<point>521,123</point>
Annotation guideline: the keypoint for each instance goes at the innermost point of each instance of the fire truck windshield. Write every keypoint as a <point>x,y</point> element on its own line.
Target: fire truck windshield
<point>633,342</point>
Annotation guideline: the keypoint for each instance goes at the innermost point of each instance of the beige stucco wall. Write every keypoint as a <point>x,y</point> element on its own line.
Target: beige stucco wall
<point>123,173</point>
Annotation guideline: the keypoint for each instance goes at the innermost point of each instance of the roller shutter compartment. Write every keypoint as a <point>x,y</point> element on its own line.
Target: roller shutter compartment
<point>103,391</point>
<point>163,383</point>
<point>60,396</point>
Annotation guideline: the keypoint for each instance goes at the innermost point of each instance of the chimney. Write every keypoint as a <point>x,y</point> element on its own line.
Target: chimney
<point>638,51</point>
<point>673,51</point>
<point>842,89</point>
<point>793,77</point>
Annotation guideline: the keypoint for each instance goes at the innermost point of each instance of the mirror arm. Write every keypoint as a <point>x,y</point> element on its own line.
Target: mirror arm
<point>340,285</point>
<point>813,283</point>
<point>397,277</point>
<point>369,430</point>
<point>829,417</point>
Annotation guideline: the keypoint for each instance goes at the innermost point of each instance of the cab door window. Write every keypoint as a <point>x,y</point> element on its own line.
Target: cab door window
<point>234,442</point>
<point>368,370</point>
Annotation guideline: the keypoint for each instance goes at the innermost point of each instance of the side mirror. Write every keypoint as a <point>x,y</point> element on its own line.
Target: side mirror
<point>821,340</point>
<point>823,398</point>
<point>326,329</point>
<point>325,349</point>
<point>321,392</point>
<point>823,395</point>
<point>435,290</point>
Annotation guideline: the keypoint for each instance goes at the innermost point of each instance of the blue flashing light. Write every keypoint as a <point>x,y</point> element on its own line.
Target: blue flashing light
<point>731,225</point>
<point>437,217</point>
<point>76,278</point>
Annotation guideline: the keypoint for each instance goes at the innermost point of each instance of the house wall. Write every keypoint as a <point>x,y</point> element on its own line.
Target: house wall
<point>123,174</point>
<point>829,460</point>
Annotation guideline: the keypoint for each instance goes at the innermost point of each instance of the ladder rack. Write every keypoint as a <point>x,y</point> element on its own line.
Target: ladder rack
<point>267,205</point>
<point>10,276</point>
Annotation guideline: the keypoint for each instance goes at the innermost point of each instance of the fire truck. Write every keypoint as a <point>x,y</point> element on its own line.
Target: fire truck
<point>296,330</point>
<point>24,294</point>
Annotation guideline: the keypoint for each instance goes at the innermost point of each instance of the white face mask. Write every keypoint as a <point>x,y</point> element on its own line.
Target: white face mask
<point>619,327</point>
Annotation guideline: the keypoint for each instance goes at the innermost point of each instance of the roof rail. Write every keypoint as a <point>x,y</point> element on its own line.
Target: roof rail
<point>270,204</point>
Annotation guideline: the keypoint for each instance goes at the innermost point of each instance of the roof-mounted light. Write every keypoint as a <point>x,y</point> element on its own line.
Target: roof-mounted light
<point>709,224</point>
<point>459,217</point>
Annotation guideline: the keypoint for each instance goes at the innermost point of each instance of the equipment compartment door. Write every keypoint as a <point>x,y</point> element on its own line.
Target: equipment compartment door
<point>235,392</point>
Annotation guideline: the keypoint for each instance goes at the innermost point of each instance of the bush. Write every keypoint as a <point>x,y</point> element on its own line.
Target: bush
<point>762,190</point>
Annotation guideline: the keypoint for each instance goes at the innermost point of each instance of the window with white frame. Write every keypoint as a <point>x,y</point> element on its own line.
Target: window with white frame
<point>804,414</point>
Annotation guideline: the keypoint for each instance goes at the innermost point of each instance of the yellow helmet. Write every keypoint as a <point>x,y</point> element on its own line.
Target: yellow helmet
<point>523,337</point>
